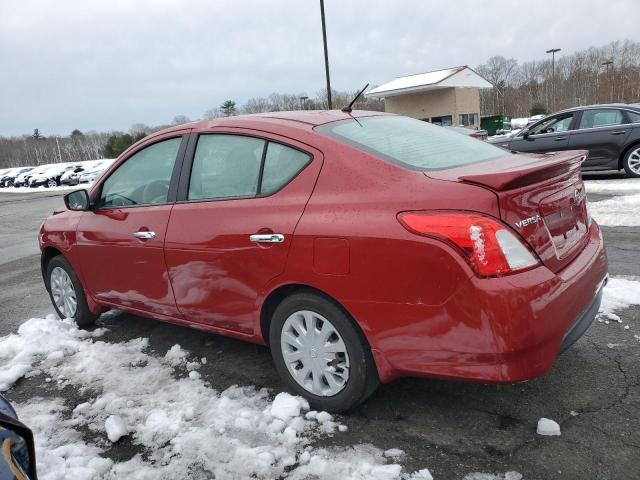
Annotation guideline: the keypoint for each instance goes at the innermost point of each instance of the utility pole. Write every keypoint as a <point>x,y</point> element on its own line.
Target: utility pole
<point>553,76</point>
<point>607,64</point>
<point>326,54</point>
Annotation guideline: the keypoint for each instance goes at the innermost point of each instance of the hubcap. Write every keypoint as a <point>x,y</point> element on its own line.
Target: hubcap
<point>634,161</point>
<point>314,353</point>
<point>52,183</point>
<point>64,295</point>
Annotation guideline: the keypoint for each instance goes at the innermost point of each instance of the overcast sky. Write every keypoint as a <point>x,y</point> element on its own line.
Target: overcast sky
<point>107,64</point>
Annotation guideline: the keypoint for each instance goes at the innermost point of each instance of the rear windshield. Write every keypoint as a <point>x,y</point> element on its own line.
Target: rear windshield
<point>411,143</point>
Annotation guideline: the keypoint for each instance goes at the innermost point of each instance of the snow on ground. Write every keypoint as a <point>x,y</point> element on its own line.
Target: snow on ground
<point>185,427</point>
<point>617,211</point>
<point>613,186</point>
<point>489,476</point>
<point>619,293</point>
<point>44,189</point>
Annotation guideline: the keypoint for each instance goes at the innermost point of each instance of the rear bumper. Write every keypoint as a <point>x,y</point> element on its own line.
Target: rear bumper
<point>584,321</point>
<point>502,330</point>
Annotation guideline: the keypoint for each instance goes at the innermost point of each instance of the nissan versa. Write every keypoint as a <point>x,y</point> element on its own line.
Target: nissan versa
<point>360,247</point>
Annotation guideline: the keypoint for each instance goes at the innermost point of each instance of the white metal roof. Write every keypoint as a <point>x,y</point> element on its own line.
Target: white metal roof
<point>449,77</point>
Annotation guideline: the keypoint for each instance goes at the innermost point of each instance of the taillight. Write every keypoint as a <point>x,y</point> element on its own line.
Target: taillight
<point>488,245</point>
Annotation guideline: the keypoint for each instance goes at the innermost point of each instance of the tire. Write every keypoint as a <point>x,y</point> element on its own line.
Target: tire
<point>51,183</point>
<point>631,161</point>
<point>362,374</point>
<point>82,315</point>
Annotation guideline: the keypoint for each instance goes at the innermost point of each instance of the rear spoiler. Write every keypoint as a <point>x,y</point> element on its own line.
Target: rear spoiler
<point>506,173</point>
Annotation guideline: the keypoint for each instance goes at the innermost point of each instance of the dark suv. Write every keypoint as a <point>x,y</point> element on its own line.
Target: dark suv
<point>611,133</point>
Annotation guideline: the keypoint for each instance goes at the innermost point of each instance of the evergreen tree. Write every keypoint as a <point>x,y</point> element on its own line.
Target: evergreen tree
<point>228,108</point>
<point>538,109</point>
<point>119,142</point>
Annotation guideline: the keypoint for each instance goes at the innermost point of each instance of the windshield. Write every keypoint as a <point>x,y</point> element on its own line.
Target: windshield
<point>411,143</point>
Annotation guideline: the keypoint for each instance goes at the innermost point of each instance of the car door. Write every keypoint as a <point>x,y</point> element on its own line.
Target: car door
<point>120,241</point>
<point>240,198</point>
<point>548,135</point>
<point>602,131</point>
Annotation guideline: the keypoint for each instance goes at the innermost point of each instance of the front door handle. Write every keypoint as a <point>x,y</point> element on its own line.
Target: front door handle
<point>145,235</point>
<point>267,238</point>
<point>619,132</point>
<point>559,139</point>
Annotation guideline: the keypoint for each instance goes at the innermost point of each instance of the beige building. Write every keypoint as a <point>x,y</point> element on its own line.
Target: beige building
<point>443,97</point>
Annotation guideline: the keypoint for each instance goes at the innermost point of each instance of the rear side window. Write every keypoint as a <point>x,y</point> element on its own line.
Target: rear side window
<point>281,164</point>
<point>600,118</point>
<point>634,117</point>
<point>411,143</point>
<point>226,166</point>
<point>236,166</point>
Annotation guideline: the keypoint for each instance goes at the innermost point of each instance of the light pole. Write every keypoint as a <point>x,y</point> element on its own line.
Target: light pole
<point>607,64</point>
<point>326,53</point>
<point>303,102</point>
<point>553,76</point>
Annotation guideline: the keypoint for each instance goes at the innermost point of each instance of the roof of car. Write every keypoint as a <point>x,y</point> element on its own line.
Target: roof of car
<point>631,106</point>
<point>302,118</point>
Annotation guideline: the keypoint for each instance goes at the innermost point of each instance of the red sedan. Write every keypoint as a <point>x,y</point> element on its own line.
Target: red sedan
<point>360,247</point>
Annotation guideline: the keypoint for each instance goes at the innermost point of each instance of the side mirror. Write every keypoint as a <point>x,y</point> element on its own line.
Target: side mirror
<point>18,448</point>
<point>78,201</point>
<point>525,134</point>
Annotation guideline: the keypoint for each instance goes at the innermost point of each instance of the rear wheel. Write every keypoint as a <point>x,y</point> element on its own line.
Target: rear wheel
<point>320,354</point>
<point>631,162</point>
<point>66,292</point>
<point>52,183</point>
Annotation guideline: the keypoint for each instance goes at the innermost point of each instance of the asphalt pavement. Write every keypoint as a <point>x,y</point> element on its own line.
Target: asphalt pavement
<point>452,428</point>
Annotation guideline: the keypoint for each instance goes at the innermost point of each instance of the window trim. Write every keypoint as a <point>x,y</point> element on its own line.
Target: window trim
<point>187,166</point>
<point>173,181</point>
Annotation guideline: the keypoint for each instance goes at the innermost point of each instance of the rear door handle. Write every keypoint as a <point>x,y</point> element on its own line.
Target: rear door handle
<point>619,132</point>
<point>559,139</point>
<point>267,238</point>
<point>145,235</point>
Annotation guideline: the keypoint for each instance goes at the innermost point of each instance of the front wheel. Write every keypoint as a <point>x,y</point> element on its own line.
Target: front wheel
<point>631,162</point>
<point>66,292</point>
<point>320,354</point>
<point>52,183</point>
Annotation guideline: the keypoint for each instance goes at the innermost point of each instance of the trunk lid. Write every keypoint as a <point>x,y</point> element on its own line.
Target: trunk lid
<point>541,197</point>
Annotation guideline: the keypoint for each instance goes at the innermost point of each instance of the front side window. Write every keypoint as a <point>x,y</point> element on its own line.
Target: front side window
<point>411,143</point>
<point>225,166</point>
<point>600,118</point>
<point>143,179</point>
<point>561,123</point>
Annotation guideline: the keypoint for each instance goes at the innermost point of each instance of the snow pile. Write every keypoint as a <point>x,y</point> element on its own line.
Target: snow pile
<point>618,211</point>
<point>548,427</point>
<point>183,425</point>
<point>619,293</point>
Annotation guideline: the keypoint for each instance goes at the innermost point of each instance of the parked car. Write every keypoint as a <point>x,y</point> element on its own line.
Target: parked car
<point>361,247</point>
<point>72,176</point>
<point>611,134</point>
<point>9,177</point>
<point>18,459</point>
<point>51,177</point>
<point>23,179</point>
<point>90,174</point>
<point>479,134</point>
